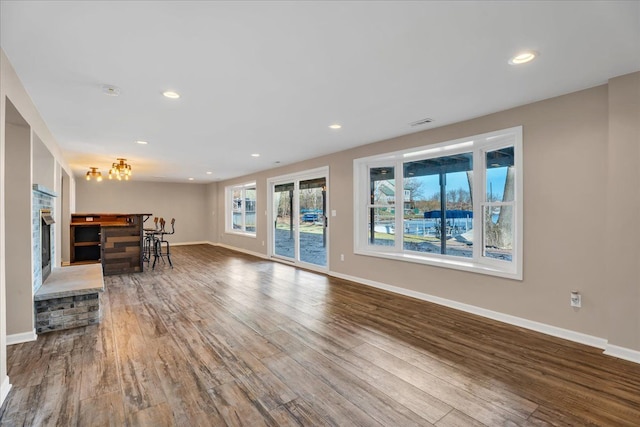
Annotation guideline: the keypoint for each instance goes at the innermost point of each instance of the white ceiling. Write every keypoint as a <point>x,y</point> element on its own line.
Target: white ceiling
<point>270,77</point>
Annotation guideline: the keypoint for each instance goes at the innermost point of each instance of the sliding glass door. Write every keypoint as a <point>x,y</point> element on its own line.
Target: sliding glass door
<point>284,236</point>
<point>299,218</point>
<point>312,219</point>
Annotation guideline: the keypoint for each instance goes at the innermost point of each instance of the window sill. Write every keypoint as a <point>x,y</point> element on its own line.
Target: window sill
<point>241,233</point>
<point>452,263</point>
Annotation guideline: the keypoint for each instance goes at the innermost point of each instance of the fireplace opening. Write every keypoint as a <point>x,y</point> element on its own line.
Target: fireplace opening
<point>45,241</point>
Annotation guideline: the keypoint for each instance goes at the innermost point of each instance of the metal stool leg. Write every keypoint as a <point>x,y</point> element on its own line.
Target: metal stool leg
<point>169,253</point>
<point>156,251</point>
<point>146,248</point>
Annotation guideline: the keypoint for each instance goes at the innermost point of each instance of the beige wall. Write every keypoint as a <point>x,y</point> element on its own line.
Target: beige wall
<point>64,218</point>
<point>566,146</point>
<point>18,256</point>
<point>622,281</point>
<point>212,212</point>
<point>187,203</point>
<point>43,172</point>
<point>11,89</point>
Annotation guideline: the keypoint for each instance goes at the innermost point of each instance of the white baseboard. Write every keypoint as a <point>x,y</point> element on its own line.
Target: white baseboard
<point>244,251</point>
<point>4,389</point>
<point>622,353</point>
<point>23,337</point>
<point>501,317</point>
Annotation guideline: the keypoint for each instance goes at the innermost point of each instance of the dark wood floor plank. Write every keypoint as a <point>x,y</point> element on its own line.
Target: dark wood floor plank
<point>99,364</point>
<point>509,370</point>
<point>18,405</point>
<point>236,408</point>
<point>297,412</point>
<point>467,403</point>
<point>372,401</point>
<point>322,398</point>
<point>135,355</point>
<point>57,405</point>
<point>239,333</point>
<point>261,385</point>
<point>186,391</point>
<point>32,361</point>
<point>469,380</point>
<point>225,338</point>
<point>414,399</point>
<point>205,358</point>
<point>456,418</point>
<point>104,410</point>
<point>322,336</point>
<point>155,416</point>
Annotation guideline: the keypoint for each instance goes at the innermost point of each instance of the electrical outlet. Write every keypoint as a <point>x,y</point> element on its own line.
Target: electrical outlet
<point>576,299</point>
<point>341,257</point>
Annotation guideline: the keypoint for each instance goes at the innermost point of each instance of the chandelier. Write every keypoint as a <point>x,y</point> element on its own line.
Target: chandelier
<point>120,170</point>
<point>94,173</point>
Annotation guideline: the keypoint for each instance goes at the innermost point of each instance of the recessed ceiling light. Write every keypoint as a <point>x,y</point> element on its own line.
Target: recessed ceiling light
<point>335,126</point>
<point>255,155</point>
<point>191,179</point>
<point>141,142</point>
<point>171,94</point>
<point>209,173</point>
<point>110,90</point>
<point>523,57</point>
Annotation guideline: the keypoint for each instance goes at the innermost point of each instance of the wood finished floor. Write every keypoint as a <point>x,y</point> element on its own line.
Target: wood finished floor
<point>228,339</point>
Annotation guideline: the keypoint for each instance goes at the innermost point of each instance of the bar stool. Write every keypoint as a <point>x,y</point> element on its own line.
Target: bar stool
<point>150,236</point>
<point>158,253</point>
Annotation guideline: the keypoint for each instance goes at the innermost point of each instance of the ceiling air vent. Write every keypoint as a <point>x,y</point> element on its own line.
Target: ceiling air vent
<point>421,122</point>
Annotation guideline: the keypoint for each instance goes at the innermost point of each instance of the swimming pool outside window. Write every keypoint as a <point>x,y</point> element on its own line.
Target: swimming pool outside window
<point>460,204</point>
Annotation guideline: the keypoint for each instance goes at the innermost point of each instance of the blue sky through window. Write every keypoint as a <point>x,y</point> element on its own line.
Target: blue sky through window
<point>430,184</point>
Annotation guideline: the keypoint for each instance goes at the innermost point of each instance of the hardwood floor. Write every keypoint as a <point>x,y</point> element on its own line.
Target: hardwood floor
<point>228,339</point>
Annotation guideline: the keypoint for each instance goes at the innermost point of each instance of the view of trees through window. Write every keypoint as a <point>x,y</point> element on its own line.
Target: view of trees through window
<point>498,207</point>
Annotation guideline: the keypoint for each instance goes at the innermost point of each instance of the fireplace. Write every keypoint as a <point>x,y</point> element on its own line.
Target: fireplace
<point>45,241</point>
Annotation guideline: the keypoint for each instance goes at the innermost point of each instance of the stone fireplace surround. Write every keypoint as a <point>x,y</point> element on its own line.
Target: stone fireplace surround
<point>71,296</point>
<point>42,199</point>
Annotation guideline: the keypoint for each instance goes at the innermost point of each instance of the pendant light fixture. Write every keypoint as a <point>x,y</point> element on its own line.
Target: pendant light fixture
<point>120,170</point>
<point>94,173</point>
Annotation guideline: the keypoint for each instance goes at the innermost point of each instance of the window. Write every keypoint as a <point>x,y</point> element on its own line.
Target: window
<point>460,205</point>
<point>241,209</point>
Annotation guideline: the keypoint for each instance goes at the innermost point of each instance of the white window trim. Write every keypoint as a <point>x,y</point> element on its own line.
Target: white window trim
<point>479,145</point>
<point>228,209</point>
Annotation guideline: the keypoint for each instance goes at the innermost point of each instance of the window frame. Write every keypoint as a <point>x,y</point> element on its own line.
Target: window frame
<point>479,145</point>
<point>229,208</point>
